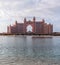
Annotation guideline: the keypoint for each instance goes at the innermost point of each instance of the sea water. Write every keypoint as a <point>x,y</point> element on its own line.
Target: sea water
<point>27,50</point>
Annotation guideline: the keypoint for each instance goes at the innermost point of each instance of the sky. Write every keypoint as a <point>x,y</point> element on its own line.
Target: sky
<point>12,10</point>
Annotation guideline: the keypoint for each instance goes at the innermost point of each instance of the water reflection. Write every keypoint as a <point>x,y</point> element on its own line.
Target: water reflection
<point>26,46</point>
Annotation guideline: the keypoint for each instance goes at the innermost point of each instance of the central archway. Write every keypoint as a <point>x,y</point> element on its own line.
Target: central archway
<point>29,29</point>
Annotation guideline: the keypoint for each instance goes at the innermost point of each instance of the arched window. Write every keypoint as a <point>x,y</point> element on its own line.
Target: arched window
<point>29,28</point>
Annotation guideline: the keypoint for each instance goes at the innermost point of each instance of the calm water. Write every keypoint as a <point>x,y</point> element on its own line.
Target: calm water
<point>25,50</point>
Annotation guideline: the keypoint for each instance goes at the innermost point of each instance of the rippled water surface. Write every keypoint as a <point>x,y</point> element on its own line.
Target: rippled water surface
<point>26,50</point>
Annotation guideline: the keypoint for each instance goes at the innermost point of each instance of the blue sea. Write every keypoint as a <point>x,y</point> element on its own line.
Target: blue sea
<point>29,50</point>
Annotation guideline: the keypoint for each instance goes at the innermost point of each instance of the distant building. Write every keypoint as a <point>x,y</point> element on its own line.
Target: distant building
<point>38,27</point>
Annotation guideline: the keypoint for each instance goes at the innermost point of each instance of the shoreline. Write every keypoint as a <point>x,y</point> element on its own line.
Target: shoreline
<point>30,34</point>
<point>43,35</point>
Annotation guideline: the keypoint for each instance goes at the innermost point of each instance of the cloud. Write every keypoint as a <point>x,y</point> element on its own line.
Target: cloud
<point>11,10</point>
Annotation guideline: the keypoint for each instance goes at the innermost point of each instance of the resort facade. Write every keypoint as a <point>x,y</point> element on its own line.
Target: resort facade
<point>36,27</point>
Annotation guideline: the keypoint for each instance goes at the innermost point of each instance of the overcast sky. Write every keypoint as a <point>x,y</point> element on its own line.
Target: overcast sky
<point>11,10</point>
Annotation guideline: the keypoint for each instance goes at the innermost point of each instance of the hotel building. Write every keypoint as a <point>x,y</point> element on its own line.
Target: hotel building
<point>36,27</point>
